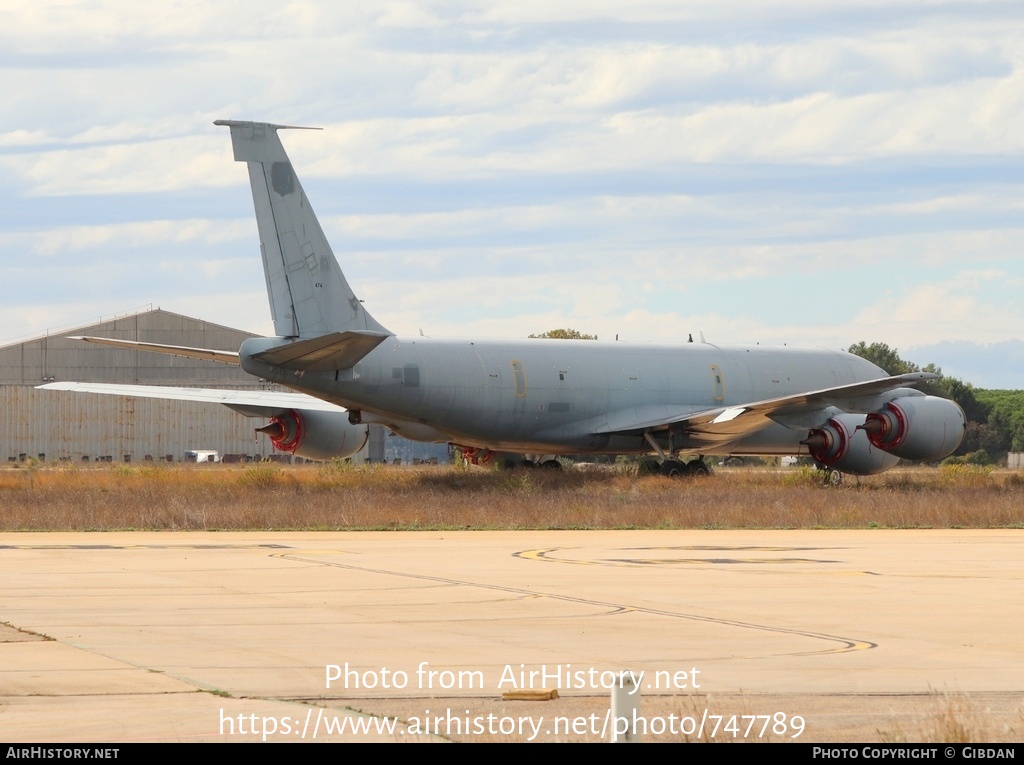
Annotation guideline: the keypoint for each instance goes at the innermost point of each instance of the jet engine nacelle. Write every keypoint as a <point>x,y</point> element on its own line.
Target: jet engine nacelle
<point>841,443</point>
<point>924,428</point>
<point>316,435</point>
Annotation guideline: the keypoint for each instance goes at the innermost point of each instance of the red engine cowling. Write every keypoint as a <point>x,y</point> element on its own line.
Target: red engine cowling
<point>924,428</point>
<point>842,444</point>
<point>316,435</point>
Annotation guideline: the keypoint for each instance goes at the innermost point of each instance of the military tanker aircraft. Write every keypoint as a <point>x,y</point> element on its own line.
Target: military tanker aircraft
<point>535,397</point>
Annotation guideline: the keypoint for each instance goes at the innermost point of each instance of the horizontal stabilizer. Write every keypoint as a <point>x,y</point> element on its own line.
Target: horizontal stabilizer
<point>338,350</point>
<point>252,403</point>
<point>224,357</point>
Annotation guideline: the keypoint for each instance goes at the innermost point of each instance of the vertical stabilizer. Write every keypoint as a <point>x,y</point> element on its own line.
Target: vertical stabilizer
<point>309,295</point>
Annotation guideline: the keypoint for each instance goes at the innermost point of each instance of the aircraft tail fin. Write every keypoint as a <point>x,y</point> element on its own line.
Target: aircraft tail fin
<point>309,295</point>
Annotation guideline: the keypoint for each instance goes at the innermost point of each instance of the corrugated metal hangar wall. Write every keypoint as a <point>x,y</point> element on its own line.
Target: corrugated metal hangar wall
<point>60,425</point>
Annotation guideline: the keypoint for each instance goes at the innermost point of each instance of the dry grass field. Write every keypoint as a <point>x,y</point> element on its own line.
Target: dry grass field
<point>344,497</point>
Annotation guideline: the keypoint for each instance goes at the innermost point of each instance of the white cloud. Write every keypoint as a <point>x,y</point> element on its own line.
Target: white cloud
<point>778,172</point>
<point>123,237</point>
<point>957,309</point>
<point>132,168</point>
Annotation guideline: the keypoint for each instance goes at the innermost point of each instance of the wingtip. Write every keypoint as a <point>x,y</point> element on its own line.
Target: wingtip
<point>921,376</point>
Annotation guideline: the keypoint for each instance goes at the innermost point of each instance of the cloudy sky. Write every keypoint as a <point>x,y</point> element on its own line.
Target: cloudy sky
<point>785,171</point>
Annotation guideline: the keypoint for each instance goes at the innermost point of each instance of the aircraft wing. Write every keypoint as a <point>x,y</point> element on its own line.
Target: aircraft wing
<point>252,403</point>
<point>728,423</point>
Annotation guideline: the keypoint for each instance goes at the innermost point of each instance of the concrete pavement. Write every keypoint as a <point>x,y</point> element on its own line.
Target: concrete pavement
<point>229,636</point>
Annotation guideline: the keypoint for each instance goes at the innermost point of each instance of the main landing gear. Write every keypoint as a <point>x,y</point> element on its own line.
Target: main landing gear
<point>668,465</point>
<point>674,468</point>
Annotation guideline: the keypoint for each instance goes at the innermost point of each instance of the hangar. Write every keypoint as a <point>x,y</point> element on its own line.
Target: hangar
<point>60,425</point>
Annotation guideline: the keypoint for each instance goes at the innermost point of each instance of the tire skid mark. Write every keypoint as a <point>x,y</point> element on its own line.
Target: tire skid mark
<point>839,644</point>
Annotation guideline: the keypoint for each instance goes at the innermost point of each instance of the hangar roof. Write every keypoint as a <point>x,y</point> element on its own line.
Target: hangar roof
<point>56,357</point>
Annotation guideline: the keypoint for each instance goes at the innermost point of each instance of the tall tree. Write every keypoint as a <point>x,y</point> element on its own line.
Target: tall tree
<point>565,334</point>
<point>881,355</point>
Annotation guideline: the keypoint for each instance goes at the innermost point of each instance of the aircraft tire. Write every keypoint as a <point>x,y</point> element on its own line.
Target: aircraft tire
<point>699,468</point>
<point>673,469</point>
<point>648,467</point>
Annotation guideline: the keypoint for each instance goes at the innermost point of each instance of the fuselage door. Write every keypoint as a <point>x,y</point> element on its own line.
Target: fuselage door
<point>520,376</point>
<point>718,381</point>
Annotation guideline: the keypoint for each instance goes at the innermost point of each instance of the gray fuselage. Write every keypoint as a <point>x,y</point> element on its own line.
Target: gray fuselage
<point>564,396</point>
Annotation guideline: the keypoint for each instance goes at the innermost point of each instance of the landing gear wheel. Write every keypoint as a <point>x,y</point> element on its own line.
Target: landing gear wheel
<point>833,477</point>
<point>699,468</point>
<point>648,467</point>
<point>551,465</point>
<point>673,469</point>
